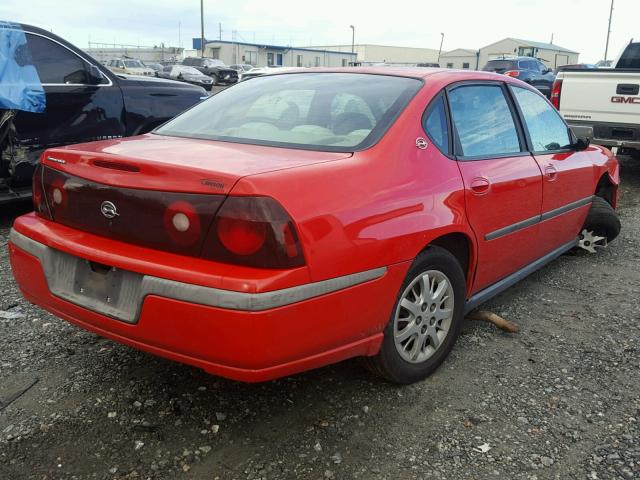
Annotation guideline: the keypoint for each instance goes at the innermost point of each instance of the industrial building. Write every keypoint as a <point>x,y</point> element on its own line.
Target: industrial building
<point>261,55</point>
<point>551,55</point>
<point>460,58</point>
<point>370,54</point>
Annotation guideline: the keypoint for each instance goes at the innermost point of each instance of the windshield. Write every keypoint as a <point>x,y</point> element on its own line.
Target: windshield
<point>133,64</point>
<point>499,65</point>
<point>319,111</point>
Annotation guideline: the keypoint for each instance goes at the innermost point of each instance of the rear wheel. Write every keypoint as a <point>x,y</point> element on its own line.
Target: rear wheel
<point>425,321</point>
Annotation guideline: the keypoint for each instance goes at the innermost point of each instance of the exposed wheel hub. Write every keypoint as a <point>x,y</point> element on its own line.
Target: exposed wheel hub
<point>589,241</point>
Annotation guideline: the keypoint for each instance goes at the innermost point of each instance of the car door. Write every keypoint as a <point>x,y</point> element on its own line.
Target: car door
<point>76,111</point>
<point>568,175</point>
<point>503,182</point>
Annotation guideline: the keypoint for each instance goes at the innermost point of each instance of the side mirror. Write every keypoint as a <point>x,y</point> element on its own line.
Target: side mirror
<point>94,75</point>
<point>581,144</point>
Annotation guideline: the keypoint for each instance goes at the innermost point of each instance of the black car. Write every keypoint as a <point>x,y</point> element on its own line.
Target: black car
<point>216,69</point>
<point>527,69</point>
<point>52,94</point>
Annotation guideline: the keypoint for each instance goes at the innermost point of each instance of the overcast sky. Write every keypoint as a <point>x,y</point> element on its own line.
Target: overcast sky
<point>579,25</point>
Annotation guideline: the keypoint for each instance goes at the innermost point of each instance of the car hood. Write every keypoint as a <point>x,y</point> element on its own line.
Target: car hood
<point>178,164</point>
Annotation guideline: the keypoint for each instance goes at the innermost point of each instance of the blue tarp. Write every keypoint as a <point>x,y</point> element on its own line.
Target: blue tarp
<point>20,87</point>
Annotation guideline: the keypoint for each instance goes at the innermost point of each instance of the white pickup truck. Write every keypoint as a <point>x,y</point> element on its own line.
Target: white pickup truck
<point>603,105</point>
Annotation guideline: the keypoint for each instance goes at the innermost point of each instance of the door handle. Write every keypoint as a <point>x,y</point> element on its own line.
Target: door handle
<point>480,185</point>
<point>550,172</point>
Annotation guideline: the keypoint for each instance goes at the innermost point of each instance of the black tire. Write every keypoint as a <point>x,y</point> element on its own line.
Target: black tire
<point>602,219</point>
<point>388,363</point>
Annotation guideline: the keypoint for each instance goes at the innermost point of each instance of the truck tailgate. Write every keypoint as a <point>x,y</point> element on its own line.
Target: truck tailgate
<point>600,96</point>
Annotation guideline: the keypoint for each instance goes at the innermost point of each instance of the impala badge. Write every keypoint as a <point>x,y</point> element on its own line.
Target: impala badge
<point>108,209</point>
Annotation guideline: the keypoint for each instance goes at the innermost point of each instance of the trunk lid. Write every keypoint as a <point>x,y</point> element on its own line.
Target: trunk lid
<point>172,164</point>
<point>155,191</point>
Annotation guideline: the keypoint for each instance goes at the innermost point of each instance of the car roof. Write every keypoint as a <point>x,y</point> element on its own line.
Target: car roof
<point>409,72</point>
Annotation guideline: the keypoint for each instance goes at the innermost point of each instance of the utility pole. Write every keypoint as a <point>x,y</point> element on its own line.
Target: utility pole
<point>353,38</point>
<point>202,28</point>
<point>606,48</point>
<point>179,34</point>
<point>441,42</point>
<point>219,30</point>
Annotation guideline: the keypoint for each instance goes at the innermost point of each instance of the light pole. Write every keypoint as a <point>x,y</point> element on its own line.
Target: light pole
<point>606,48</point>
<point>202,28</point>
<point>441,42</point>
<point>353,38</point>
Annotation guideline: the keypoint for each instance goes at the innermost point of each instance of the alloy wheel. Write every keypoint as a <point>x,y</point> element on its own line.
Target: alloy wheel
<point>423,316</point>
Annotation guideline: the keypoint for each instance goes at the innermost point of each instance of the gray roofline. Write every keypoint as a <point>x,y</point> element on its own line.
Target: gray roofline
<point>277,47</point>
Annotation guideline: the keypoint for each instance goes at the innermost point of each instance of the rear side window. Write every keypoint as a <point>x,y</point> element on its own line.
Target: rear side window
<point>483,121</point>
<point>435,124</point>
<point>630,57</point>
<point>55,63</point>
<point>547,130</point>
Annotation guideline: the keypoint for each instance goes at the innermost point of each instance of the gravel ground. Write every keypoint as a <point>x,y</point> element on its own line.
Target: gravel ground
<point>559,400</point>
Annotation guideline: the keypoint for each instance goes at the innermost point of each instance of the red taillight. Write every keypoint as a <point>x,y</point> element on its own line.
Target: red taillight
<point>253,231</point>
<point>512,73</point>
<point>39,201</point>
<point>241,237</point>
<point>556,90</point>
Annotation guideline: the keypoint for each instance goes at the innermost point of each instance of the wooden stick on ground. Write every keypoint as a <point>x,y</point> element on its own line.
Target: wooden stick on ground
<point>497,320</point>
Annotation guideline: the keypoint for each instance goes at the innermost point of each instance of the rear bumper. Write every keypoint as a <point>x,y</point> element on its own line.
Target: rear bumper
<point>607,134</point>
<point>275,335</point>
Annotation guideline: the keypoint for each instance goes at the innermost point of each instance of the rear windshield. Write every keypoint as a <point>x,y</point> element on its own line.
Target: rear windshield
<point>318,111</point>
<point>499,65</point>
<point>630,58</point>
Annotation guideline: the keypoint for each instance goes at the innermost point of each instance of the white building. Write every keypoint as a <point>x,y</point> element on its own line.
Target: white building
<point>369,54</point>
<point>261,55</point>
<point>551,55</point>
<point>460,58</point>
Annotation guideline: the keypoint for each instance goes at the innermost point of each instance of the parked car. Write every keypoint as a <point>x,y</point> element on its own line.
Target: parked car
<point>216,69</point>
<point>300,219</point>
<point>156,67</point>
<point>186,74</point>
<point>604,105</point>
<point>529,70</point>
<point>241,67</point>
<point>78,100</point>
<point>129,66</point>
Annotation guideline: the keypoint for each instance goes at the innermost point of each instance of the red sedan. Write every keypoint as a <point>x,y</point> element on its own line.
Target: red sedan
<point>299,219</point>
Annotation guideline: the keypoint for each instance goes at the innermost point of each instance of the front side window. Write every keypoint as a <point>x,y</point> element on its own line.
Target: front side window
<point>483,121</point>
<point>55,63</point>
<point>319,111</point>
<point>435,124</point>
<point>547,130</point>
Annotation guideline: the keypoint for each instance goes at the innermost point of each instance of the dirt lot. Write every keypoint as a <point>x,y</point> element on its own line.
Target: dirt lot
<point>561,399</point>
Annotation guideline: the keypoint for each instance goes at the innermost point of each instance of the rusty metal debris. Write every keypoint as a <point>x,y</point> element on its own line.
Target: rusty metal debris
<point>497,320</point>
